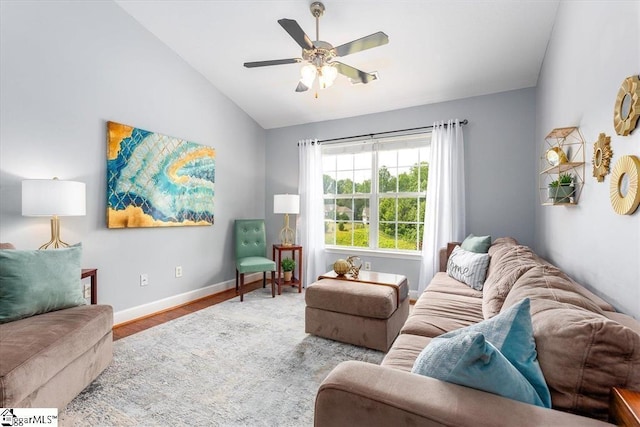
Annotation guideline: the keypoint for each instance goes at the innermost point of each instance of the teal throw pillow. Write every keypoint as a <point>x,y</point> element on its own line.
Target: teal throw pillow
<point>511,333</point>
<point>35,282</point>
<point>470,360</point>
<point>478,244</point>
<point>468,267</point>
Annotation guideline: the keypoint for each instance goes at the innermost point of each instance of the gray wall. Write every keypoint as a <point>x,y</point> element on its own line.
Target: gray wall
<point>67,68</point>
<point>499,148</point>
<point>593,48</point>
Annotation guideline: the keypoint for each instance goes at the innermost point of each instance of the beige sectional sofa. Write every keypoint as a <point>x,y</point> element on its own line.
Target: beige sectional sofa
<point>48,358</point>
<point>584,348</point>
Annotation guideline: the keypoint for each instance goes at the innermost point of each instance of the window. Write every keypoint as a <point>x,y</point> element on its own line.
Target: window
<point>375,192</point>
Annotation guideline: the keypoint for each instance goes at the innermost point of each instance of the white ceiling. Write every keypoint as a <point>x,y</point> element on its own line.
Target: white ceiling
<point>438,50</point>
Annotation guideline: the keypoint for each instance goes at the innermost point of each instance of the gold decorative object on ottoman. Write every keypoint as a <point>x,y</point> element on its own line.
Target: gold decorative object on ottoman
<point>355,263</point>
<point>368,311</point>
<point>341,267</point>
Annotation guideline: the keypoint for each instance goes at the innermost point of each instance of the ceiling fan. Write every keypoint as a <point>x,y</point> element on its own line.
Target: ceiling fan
<point>319,56</point>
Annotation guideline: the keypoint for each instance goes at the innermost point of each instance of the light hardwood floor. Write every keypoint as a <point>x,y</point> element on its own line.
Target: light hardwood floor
<point>130,328</point>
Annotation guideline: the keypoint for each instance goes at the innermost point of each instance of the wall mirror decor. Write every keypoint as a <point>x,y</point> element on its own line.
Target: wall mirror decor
<point>623,189</point>
<point>601,156</point>
<point>627,108</point>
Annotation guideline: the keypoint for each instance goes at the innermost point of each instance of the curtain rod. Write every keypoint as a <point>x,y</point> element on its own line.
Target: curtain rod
<point>371,135</point>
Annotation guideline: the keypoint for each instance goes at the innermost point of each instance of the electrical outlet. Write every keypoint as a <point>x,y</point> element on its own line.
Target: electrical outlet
<point>179,271</point>
<point>144,279</point>
<point>367,265</point>
<point>87,290</point>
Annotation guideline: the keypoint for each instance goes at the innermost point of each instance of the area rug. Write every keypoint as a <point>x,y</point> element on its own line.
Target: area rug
<point>232,364</point>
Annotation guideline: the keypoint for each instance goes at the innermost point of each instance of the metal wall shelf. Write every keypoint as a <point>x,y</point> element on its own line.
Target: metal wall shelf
<point>570,141</point>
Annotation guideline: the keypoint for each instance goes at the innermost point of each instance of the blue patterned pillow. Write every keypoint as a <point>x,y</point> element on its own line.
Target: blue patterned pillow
<point>511,333</point>
<point>468,267</point>
<point>470,360</point>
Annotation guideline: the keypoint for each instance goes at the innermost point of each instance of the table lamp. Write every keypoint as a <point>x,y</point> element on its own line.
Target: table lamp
<point>55,198</point>
<point>286,204</point>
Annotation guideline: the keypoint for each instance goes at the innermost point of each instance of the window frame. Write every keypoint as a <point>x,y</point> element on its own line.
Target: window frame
<point>375,146</point>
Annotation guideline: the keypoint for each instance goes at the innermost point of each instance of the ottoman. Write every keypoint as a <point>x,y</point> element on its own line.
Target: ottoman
<point>368,311</point>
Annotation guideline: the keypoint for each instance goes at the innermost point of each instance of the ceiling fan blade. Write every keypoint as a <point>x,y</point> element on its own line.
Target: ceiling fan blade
<point>356,76</point>
<point>272,62</point>
<point>368,42</point>
<point>297,33</point>
<point>302,87</point>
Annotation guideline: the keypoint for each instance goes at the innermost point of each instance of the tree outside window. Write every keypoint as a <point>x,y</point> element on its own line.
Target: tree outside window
<point>375,194</point>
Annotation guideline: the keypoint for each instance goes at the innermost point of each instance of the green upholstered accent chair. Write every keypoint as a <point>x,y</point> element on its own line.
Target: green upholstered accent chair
<point>251,253</point>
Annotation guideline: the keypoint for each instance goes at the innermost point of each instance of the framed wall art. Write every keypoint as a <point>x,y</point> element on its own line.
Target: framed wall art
<point>154,180</point>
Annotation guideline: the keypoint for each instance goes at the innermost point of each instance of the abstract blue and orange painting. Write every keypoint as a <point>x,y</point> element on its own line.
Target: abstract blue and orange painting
<point>156,180</point>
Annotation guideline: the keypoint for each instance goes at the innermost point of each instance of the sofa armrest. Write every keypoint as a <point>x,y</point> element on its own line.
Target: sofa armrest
<point>444,255</point>
<point>359,394</point>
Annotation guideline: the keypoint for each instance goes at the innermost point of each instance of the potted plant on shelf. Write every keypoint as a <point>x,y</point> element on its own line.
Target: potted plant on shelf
<point>562,189</point>
<point>287,265</point>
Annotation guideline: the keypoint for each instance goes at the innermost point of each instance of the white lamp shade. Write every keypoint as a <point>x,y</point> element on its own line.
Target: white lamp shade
<point>286,203</point>
<point>50,197</point>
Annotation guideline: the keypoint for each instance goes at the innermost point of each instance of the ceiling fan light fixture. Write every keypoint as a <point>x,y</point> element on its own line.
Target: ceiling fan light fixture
<point>308,73</point>
<point>328,74</point>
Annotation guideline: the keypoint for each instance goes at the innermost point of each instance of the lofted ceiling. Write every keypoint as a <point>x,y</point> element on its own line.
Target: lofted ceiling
<point>438,50</point>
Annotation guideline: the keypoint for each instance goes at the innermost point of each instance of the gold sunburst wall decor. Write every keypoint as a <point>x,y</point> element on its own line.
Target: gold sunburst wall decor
<point>623,189</point>
<point>601,156</point>
<point>627,108</point>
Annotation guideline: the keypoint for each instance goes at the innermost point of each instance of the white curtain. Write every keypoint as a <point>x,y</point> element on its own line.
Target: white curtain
<point>445,212</point>
<point>310,224</point>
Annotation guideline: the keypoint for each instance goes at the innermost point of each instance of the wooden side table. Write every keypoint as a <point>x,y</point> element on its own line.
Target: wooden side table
<point>92,273</point>
<point>624,408</point>
<point>295,280</point>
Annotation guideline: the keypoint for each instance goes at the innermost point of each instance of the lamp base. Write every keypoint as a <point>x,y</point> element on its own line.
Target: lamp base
<point>286,234</point>
<point>55,241</point>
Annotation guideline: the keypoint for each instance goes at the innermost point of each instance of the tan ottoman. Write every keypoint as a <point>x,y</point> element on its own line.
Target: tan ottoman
<point>367,312</point>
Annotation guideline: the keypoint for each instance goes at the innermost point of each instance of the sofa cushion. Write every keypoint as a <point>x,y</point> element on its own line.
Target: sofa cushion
<point>583,354</point>
<point>445,305</point>
<point>478,244</point>
<point>404,351</point>
<point>548,282</point>
<point>470,360</point>
<point>508,263</point>
<point>501,242</point>
<point>468,267</point>
<point>39,281</point>
<point>35,349</point>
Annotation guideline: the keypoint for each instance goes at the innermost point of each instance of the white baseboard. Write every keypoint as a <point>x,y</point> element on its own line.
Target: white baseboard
<point>413,295</point>
<point>153,307</point>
